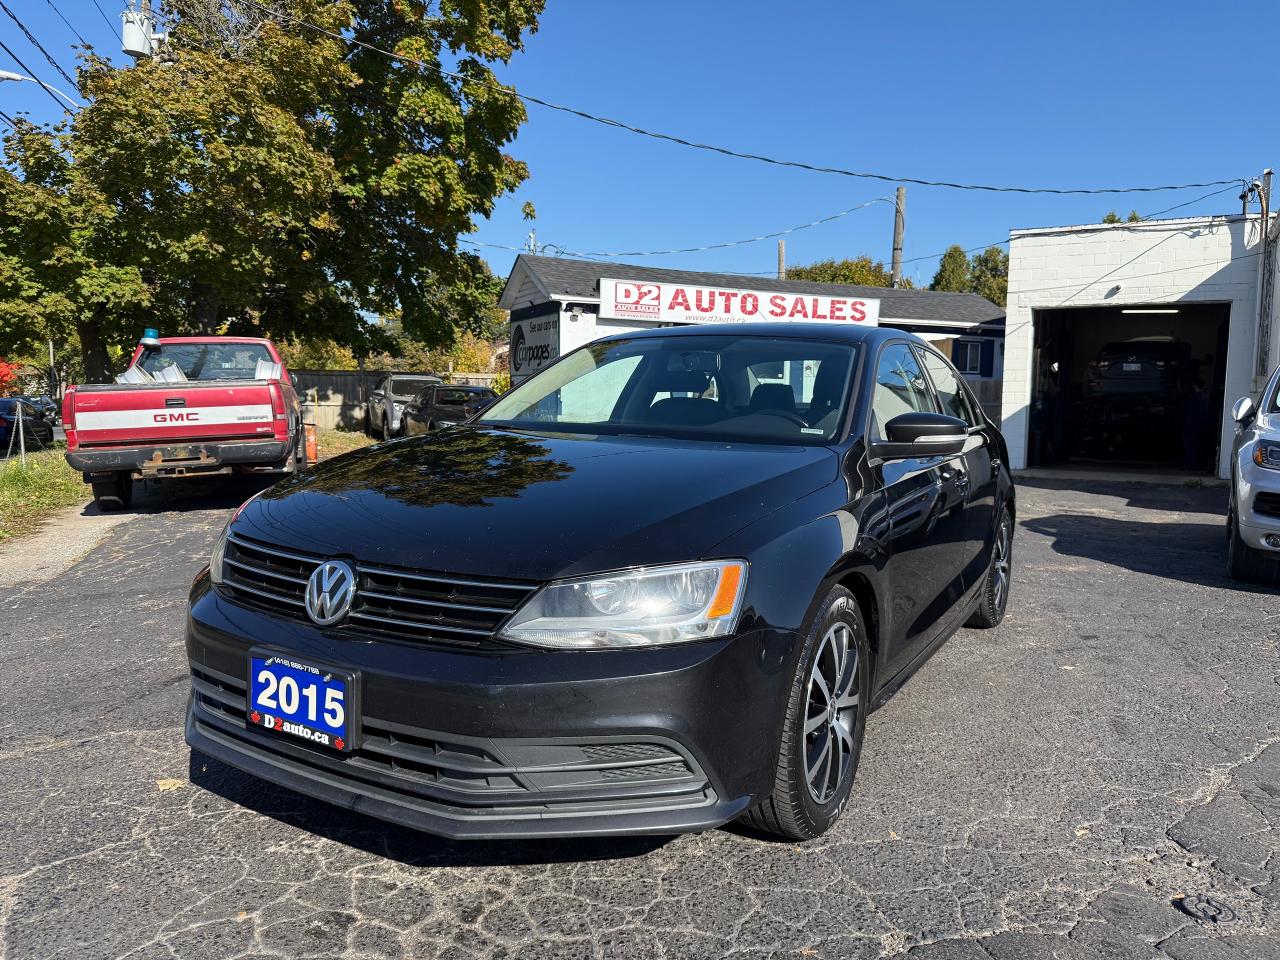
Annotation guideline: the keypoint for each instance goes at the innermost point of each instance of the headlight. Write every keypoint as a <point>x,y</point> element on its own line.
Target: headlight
<point>1266,453</point>
<point>219,549</point>
<point>657,605</point>
<point>220,545</point>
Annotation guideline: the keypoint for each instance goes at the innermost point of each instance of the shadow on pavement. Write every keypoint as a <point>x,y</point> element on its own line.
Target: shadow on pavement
<point>1186,552</point>
<point>177,496</point>
<point>1144,496</point>
<point>400,843</point>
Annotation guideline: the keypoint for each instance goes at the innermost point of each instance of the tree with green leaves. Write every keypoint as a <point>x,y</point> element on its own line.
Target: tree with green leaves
<point>953,271</point>
<point>989,271</point>
<point>266,178</point>
<point>860,271</point>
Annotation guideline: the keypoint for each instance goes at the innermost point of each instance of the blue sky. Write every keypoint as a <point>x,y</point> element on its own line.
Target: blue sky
<point>1063,95</point>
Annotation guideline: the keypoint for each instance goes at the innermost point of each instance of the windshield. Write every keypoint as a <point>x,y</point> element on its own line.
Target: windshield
<point>206,361</point>
<point>410,386</point>
<point>729,387</point>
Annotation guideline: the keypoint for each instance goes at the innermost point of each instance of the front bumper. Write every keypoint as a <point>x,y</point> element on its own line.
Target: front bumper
<point>499,742</point>
<point>1257,495</point>
<point>198,457</point>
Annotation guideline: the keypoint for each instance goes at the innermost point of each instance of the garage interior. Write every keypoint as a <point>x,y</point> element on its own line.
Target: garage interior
<point>1116,387</point>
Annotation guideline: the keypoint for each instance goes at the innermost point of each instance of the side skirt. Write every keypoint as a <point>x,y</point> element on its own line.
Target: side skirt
<point>967,605</point>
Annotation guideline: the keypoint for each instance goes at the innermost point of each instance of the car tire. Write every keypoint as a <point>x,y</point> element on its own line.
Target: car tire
<point>1245,563</point>
<point>994,595</point>
<point>820,746</point>
<point>114,494</point>
<point>386,430</point>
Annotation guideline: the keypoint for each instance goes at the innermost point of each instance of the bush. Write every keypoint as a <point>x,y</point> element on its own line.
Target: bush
<point>29,494</point>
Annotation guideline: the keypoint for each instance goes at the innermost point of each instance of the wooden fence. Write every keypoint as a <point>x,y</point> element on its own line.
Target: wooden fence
<point>337,399</point>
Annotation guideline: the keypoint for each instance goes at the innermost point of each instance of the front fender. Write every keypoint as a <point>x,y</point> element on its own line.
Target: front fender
<point>798,553</point>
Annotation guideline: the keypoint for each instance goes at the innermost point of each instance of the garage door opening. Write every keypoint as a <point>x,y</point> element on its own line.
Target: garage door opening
<point>1132,387</point>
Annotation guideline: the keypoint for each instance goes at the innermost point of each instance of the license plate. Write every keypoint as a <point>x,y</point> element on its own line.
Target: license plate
<point>1131,367</point>
<point>301,701</point>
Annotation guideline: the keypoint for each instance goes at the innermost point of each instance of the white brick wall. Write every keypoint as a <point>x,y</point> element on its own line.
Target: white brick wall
<point>1166,261</point>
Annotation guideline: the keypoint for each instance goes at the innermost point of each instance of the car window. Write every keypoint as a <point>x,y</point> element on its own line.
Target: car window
<point>446,397</point>
<point>900,388</point>
<point>713,386</point>
<point>955,402</point>
<point>206,361</point>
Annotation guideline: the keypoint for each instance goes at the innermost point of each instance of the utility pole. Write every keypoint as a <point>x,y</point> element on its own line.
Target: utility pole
<point>782,259</point>
<point>899,225</point>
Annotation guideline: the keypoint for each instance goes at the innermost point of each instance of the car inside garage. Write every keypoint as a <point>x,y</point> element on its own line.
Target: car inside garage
<point>1132,386</point>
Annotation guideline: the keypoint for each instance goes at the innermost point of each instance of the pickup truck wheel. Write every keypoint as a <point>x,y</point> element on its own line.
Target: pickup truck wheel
<point>386,430</point>
<point>114,494</point>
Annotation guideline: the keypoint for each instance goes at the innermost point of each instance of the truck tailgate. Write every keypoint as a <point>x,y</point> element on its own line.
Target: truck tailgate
<point>158,413</point>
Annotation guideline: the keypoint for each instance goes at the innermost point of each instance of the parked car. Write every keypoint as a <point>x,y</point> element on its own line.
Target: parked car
<point>186,406</point>
<point>387,402</point>
<point>443,406</point>
<point>37,429</point>
<point>46,405</point>
<point>1253,510</point>
<point>657,586</point>
<point>1134,398</point>
<point>1150,368</point>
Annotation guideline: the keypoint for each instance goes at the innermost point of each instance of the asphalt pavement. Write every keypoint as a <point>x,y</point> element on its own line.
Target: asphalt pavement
<point>1097,778</point>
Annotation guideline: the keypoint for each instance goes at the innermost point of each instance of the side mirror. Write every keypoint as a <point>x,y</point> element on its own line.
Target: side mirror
<point>921,435</point>
<point>293,380</point>
<point>1242,410</point>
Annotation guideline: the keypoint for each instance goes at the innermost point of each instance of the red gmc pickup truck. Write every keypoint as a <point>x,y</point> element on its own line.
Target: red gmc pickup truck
<point>186,406</point>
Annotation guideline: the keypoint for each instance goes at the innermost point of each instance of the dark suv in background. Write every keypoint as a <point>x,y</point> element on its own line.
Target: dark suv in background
<point>443,406</point>
<point>1134,398</point>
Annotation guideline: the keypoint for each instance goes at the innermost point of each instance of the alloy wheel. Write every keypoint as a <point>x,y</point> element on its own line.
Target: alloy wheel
<point>1001,563</point>
<point>831,712</point>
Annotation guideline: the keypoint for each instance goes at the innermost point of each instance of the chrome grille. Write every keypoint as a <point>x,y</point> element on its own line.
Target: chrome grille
<point>410,605</point>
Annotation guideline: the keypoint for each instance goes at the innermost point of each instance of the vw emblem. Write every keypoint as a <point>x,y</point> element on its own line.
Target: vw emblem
<point>330,592</point>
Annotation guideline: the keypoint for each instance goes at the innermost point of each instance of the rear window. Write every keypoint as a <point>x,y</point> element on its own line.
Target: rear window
<point>206,361</point>
<point>410,386</point>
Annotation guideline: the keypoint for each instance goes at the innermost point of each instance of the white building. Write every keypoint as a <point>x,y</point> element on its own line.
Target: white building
<point>1188,290</point>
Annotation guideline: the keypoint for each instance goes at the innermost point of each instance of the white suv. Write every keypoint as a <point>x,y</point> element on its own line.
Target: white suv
<point>1253,515</point>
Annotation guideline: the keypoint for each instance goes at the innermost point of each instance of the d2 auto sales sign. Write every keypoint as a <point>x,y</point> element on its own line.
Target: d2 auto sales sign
<point>682,303</point>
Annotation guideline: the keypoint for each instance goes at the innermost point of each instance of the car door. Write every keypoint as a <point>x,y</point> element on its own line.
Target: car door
<point>976,471</point>
<point>926,513</point>
<point>412,420</point>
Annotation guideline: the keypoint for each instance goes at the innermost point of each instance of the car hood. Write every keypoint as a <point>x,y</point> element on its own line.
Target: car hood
<point>501,503</point>
<point>1268,424</point>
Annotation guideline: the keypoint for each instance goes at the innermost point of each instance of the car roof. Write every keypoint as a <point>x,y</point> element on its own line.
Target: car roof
<point>828,332</point>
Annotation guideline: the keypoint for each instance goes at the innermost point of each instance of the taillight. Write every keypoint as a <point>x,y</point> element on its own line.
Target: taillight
<point>277,400</point>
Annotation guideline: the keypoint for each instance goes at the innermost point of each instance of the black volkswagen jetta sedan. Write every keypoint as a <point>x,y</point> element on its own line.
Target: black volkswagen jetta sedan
<point>654,588</point>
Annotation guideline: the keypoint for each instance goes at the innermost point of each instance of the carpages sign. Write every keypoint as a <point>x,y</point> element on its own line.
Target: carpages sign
<point>681,303</point>
<point>534,344</point>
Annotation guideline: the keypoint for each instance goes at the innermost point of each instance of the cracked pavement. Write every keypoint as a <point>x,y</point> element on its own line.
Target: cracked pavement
<point>1097,778</point>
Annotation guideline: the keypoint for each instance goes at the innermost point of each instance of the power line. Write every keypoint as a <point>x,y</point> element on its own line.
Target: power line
<point>1179,206</point>
<point>110,26</point>
<point>31,74</point>
<point>730,243</point>
<point>79,37</point>
<point>8,119</point>
<point>712,148</point>
<point>37,44</point>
